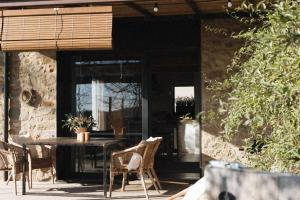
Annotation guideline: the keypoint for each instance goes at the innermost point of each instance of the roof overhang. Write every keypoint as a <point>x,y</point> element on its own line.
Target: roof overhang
<point>133,8</point>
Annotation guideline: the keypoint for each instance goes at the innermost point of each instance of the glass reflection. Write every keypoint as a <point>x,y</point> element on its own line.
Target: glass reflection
<point>110,91</point>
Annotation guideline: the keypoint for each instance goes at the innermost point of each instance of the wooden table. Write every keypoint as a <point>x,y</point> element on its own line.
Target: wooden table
<point>105,143</point>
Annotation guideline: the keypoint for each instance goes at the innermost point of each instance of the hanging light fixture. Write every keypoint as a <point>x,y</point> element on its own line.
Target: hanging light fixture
<point>229,4</point>
<point>155,8</point>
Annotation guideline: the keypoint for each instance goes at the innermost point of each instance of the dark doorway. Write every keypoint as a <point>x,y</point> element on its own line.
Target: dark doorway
<point>169,113</point>
<point>152,56</point>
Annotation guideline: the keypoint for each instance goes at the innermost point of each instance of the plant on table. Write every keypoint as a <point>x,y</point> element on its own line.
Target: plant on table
<point>74,123</point>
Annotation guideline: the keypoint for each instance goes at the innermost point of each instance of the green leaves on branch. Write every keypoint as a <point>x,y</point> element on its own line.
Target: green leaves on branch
<point>261,97</point>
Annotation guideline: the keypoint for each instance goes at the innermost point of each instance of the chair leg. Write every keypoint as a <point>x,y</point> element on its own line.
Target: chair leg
<point>52,174</point>
<point>152,180</point>
<point>111,182</point>
<point>124,180</point>
<point>30,177</point>
<point>156,178</point>
<point>144,185</point>
<point>9,177</point>
<point>15,181</point>
<point>28,181</point>
<point>82,161</point>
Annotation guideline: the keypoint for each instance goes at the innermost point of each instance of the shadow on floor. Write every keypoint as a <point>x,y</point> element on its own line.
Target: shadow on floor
<point>91,191</point>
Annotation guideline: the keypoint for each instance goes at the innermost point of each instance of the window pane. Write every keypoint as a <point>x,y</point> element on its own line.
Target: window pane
<point>184,101</point>
<point>110,91</point>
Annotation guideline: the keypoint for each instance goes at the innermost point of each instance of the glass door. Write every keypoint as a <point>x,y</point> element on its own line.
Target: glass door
<point>107,87</point>
<point>110,91</point>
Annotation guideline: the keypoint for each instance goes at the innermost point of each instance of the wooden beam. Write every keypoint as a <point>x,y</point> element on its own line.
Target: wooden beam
<point>37,3</point>
<point>140,9</point>
<point>193,6</point>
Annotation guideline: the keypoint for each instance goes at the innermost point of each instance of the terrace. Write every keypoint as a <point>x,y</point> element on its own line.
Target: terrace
<point>131,64</point>
<point>140,69</point>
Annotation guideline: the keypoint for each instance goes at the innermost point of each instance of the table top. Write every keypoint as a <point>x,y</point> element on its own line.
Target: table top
<point>71,141</point>
<point>112,134</point>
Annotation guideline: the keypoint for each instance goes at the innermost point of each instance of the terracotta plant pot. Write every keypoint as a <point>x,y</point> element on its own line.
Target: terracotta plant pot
<point>86,136</point>
<point>80,130</point>
<point>80,136</point>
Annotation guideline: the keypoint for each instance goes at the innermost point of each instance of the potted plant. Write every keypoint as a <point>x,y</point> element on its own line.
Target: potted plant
<point>79,124</point>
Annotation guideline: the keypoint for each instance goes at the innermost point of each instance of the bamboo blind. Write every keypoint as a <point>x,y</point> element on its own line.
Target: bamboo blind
<point>59,29</point>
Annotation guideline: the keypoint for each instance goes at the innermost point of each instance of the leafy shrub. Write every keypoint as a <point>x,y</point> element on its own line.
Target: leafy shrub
<point>262,97</point>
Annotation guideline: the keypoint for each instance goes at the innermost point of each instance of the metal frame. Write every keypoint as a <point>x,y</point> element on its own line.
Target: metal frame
<point>6,101</point>
<point>198,93</point>
<point>146,88</point>
<point>6,96</point>
<point>200,109</point>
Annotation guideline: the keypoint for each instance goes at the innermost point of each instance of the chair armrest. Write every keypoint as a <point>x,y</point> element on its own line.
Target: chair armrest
<point>17,146</point>
<point>123,157</point>
<point>129,150</point>
<point>6,159</point>
<point>123,152</point>
<point>5,151</point>
<point>17,151</point>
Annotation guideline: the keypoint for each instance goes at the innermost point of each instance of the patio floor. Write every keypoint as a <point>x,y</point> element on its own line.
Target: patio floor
<point>77,191</point>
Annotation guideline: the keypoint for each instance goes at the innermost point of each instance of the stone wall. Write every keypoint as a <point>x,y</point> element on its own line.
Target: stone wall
<point>33,71</point>
<point>217,50</point>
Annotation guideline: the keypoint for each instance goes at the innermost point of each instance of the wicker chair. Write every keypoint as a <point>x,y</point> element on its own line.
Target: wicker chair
<point>121,159</point>
<point>36,160</point>
<point>11,160</point>
<point>149,166</point>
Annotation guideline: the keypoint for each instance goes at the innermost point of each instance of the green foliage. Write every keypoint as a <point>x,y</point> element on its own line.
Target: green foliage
<point>80,121</point>
<point>261,97</point>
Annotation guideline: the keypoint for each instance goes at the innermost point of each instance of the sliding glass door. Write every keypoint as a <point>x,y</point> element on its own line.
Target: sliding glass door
<point>106,87</point>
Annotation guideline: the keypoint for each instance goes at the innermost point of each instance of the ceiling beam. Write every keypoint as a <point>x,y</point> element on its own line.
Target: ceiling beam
<point>38,3</point>
<point>140,9</point>
<point>193,5</point>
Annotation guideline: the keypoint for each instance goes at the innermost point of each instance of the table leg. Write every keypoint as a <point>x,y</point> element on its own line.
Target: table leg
<point>24,170</point>
<point>104,172</point>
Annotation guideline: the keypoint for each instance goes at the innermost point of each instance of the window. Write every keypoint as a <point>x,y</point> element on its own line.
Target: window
<point>184,101</point>
<point>110,91</point>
